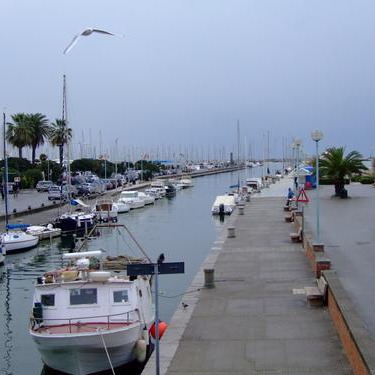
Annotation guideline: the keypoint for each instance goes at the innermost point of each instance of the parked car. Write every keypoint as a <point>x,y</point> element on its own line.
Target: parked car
<point>43,185</point>
<point>61,192</point>
<point>89,188</point>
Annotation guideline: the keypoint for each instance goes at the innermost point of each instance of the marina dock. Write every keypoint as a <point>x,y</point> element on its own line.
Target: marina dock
<point>255,317</point>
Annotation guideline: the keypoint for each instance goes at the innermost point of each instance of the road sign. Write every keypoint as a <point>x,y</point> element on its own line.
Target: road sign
<point>302,197</point>
<point>149,268</point>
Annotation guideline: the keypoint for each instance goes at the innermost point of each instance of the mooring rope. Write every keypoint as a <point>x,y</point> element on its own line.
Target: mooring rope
<point>106,351</point>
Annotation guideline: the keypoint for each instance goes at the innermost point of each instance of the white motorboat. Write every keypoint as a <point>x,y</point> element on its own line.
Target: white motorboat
<point>17,241</point>
<point>87,320</point>
<point>121,207</point>
<point>255,183</point>
<point>148,199</point>
<point>223,205</point>
<point>43,231</point>
<point>157,192</point>
<point>105,210</point>
<point>186,182</point>
<point>131,198</point>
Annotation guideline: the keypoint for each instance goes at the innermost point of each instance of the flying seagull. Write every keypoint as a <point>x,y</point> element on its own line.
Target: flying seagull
<point>85,32</point>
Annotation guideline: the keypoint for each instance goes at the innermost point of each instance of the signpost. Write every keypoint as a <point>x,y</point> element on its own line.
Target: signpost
<point>156,269</point>
<point>303,198</point>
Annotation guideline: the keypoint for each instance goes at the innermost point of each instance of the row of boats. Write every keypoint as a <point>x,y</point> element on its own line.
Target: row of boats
<point>226,204</point>
<point>89,315</point>
<point>80,217</point>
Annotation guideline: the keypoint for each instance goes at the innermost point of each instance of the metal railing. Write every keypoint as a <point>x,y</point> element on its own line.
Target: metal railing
<point>128,317</point>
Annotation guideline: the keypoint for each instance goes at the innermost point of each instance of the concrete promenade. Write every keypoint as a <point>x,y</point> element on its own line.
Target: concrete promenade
<point>256,319</point>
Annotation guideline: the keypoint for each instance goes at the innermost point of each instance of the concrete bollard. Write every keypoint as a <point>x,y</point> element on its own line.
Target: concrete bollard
<point>209,278</point>
<point>241,210</point>
<point>231,232</point>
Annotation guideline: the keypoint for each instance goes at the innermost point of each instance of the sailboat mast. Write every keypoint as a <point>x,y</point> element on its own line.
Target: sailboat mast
<point>5,179</point>
<point>238,154</point>
<point>65,124</point>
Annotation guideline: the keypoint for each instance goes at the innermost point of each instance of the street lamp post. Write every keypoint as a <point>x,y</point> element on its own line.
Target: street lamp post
<point>316,136</point>
<point>297,143</point>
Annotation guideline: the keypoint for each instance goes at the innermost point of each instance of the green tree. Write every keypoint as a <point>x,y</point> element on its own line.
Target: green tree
<point>19,133</point>
<point>336,166</point>
<point>60,135</point>
<point>40,131</point>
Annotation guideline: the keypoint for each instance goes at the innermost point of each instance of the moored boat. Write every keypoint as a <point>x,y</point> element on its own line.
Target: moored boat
<point>81,220</point>
<point>43,231</point>
<point>170,190</point>
<point>105,210</point>
<point>121,207</point>
<point>186,182</point>
<point>89,320</point>
<point>14,240</point>
<point>223,205</point>
<point>131,198</point>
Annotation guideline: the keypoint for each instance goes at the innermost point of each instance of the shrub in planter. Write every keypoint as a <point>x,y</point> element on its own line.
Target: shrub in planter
<point>366,180</point>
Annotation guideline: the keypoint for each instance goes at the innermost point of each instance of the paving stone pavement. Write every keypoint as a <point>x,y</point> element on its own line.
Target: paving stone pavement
<point>254,321</point>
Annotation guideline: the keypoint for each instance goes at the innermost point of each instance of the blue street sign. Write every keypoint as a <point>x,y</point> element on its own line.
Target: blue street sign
<point>149,268</point>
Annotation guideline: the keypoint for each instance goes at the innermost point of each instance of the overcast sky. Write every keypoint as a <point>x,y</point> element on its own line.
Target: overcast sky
<point>187,70</point>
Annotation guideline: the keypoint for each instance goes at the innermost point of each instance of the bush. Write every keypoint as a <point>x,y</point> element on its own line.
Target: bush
<point>366,179</point>
<point>30,178</point>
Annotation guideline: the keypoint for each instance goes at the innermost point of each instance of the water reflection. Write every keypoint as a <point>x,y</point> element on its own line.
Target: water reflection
<point>8,341</point>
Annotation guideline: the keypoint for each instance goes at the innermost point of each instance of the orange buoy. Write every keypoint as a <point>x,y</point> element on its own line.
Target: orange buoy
<point>162,328</point>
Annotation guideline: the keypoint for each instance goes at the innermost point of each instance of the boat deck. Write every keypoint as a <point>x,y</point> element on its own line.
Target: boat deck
<point>80,328</point>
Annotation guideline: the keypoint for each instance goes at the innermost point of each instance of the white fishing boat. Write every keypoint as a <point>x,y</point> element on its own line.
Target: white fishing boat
<point>223,205</point>
<point>105,210</point>
<point>44,232</point>
<point>87,320</point>
<point>131,198</point>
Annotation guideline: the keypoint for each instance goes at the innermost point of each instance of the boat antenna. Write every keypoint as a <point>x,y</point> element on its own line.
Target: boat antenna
<point>5,178</point>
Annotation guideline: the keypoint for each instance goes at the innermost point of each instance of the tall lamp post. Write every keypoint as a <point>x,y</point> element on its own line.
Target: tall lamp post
<point>297,143</point>
<point>317,136</point>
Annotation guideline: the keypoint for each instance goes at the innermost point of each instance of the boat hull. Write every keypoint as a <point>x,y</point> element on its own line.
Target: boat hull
<point>72,225</point>
<point>85,354</point>
<point>13,246</point>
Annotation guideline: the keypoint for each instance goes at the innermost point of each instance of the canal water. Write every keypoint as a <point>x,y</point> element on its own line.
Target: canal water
<point>182,228</point>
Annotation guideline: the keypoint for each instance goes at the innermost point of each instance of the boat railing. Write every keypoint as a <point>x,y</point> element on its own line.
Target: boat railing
<point>127,318</point>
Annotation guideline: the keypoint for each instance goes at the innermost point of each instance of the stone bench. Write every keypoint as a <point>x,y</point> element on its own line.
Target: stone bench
<point>317,295</point>
<point>296,236</point>
<point>289,218</point>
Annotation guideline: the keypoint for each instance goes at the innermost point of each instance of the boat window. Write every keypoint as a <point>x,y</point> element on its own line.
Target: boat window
<point>83,296</point>
<point>48,299</point>
<point>120,296</point>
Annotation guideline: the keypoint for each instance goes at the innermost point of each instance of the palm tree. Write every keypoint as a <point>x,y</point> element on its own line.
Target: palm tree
<point>19,133</point>
<point>40,129</point>
<point>60,135</point>
<point>336,166</point>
